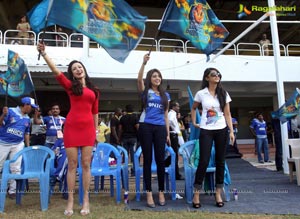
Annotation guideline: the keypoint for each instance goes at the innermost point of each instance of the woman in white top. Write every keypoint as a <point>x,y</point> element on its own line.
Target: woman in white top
<point>213,129</point>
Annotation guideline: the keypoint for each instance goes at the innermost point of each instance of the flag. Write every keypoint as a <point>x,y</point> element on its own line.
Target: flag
<point>38,15</point>
<point>114,24</point>
<point>290,109</point>
<point>17,79</point>
<point>195,21</point>
<point>195,132</point>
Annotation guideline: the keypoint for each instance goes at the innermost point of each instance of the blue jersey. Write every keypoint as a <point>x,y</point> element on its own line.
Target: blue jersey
<point>259,128</point>
<point>53,124</point>
<point>154,112</point>
<point>15,126</point>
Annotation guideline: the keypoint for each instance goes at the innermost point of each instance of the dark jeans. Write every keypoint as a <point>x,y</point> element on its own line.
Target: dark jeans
<point>207,137</point>
<point>37,139</point>
<point>175,146</point>
<point>128,144</point>
<point>153,136</point>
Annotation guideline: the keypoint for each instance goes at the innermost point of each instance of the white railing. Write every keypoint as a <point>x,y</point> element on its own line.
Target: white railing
<point>292,49</point>
<point>170,45</point>
<point>249,48</point>
<point>76,40</point>
<point>147,43</point>
<point>54,38</point>
<point>13,37</point>
<point>62,39</point>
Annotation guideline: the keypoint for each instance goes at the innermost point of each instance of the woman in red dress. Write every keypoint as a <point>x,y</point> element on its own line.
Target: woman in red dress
<point>80,126</point>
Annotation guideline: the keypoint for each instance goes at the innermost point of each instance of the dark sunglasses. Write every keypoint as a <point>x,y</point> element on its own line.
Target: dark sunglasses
<point>215,74</point>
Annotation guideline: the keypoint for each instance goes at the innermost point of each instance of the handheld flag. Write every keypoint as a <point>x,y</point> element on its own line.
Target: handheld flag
<point>17,80</point>
<point>194,20</point>
<point>37,16</point>
<point>290,109</point>
<point>114,24</point>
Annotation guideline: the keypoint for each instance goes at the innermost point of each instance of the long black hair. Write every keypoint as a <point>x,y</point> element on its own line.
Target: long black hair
<point>148,85</point>
<point>221,93</point>
<point>77,88</point>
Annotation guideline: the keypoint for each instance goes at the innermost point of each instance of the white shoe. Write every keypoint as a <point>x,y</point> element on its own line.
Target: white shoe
<point>178,196</point>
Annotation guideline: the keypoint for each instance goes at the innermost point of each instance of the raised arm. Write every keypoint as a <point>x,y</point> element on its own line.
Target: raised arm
<point>50,63</point>
<point>140,81</point>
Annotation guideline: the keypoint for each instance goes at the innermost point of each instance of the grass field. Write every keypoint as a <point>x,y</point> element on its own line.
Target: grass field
<point>104,206</point>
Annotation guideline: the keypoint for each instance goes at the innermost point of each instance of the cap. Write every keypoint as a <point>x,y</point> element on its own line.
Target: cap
<point>29,100</point>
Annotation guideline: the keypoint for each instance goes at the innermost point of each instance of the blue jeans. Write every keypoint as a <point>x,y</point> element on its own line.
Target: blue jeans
<point>262,143</point>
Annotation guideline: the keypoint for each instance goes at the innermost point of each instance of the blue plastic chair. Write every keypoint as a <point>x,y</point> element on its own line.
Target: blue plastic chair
<point>124,168</point>
<point>100,167</point>
<point>169,176</point>
<point>37,161</point>
<point>186,151</point>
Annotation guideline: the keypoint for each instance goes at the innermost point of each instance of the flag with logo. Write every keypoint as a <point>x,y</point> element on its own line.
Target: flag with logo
<point>195,21</point>
<point>114,24</point>
<point>290,109</point>
<point>38,15</point>
<point>16,81</point>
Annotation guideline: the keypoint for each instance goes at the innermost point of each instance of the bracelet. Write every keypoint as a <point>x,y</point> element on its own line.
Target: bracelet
<point>43,54</point>
<point>144,63</point>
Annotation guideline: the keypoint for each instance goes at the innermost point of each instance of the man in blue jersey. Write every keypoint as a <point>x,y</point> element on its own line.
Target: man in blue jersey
<point>14,133</point>
<point>258,128</point>
<point>53,125</point>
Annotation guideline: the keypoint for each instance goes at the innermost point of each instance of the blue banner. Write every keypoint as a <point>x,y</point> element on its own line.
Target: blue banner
<point>17,78</point>
<point>290,109</point>
<point>37,16</point>
<point>194,20</point>
<point>114,24</point>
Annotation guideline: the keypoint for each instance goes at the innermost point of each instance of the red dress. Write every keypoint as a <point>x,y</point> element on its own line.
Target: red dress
<point>79,129</point>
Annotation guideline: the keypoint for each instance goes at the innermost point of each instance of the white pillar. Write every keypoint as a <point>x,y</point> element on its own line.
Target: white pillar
<point>86,47</point>
<point>279,82</point>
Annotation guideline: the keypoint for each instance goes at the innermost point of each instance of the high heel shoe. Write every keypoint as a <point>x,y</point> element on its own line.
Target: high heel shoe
<point>219,204</point>
<point>151,205</point>
<point>196,205</point>
<point>161,203</point>
<point>68,213</point>
<point>84,212</point>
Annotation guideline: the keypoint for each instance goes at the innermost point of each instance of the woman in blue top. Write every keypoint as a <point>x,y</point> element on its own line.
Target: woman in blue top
<point>215,118</point>
<point>154,128</point>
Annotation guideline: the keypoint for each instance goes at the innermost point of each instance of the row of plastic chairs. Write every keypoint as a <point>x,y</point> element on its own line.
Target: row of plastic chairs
<point>38,161</point>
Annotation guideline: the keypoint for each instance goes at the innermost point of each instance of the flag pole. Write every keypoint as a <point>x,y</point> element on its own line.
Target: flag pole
<point>155,38</point>
<point>46,23</point>
<point>6,94</point>
<point>241,35</point>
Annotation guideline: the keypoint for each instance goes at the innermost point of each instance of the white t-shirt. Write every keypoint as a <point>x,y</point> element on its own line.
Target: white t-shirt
<point>212,117</point>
